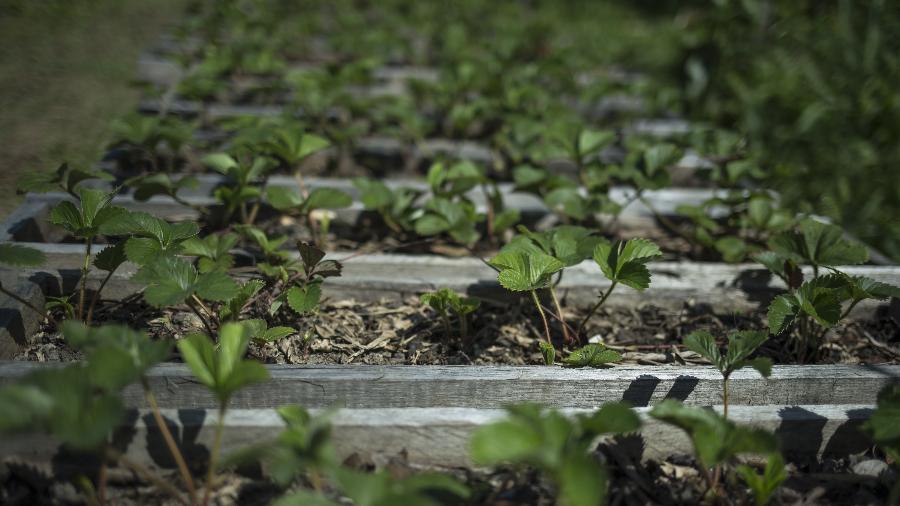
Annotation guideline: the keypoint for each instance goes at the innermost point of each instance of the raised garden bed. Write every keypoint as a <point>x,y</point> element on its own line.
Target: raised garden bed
<point>417,327</point>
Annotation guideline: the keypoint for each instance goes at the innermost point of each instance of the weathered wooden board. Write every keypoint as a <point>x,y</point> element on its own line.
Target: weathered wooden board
<point>439,437</point>
<point>29,223</point>
<point>369,386</point>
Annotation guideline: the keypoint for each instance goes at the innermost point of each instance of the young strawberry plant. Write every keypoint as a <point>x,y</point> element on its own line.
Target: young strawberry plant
<point>397,207</point>
<point>81,405</point>
<point>521,271</point>
<point>622,262</point>
<point>811,307</point>
<point>304,449</point>
<point>445,301</point>
<point>174,280</point>
<point>740,346</point>
<point>556,445</point>
<point>243,188</point>
<point>309,207</point>
<point>717,441</point>
<point>568,244</point>
<point>94,216</point>
<point>223,371</point>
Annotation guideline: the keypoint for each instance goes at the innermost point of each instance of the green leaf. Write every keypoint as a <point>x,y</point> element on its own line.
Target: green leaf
<point>504,442</point>
<point>582,481</point>
<point>592,355</point>
<point>223,371</point>
<point>213,250</point>
<point>592,141</point>
<point>624,262</point>
<point>172,280</point>
<point>715,439</point>
<point>703,343</point>
<point>283,198</point>
<point>215,286</point>
<point>765,485</point>
<point>742,344</point>
<point>20,256</point>
<point>111,257</point>
<point>304,299</point>
<point>220,162</point>
<point>884,424</point>
<point>327,198</point>
<point>521,271</point>
<point>782,312</point>
<point>818,243</point>
<point>611,418</point>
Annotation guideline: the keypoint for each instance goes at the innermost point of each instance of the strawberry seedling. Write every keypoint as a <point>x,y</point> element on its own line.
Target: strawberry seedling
<point>445,301</point>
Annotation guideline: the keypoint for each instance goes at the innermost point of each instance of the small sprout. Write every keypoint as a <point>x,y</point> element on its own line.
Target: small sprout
<point>740,346</point>
<point>232,308</point>
<point>304,295</point>
<point>259,330</point>
<point>592,355</point>
<point>445,301</point>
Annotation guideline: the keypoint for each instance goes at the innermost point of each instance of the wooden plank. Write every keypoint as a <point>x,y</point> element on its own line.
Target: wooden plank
<point>721,287</point>
<point>17,321</point>
<point>439,437</point>
<point>369,386</point>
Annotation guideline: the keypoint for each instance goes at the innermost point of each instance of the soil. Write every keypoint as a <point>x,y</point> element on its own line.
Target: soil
<point>409,332</point>
<point>675,481</point>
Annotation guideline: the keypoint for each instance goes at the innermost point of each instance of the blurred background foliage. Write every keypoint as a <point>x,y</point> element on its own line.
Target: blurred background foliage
<point>813,85</point>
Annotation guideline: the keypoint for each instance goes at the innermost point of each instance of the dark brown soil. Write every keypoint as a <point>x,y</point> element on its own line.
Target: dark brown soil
<point>409,332</point>
<point>675,481</point>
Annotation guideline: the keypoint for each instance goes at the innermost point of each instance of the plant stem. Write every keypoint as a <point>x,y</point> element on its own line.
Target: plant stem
<point>96,297</point>
<point>596,307</point>
<point>85,267</point>
<point>725,397</point>
<point>214,456</point>
<point>170,442</point>
<point>42,313</point>
<point>559,315</point>
<point>202,319</point>
<point>101,482</point>
<point>463,327</point>
<point>540,309</point>
<point>147,475</point>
